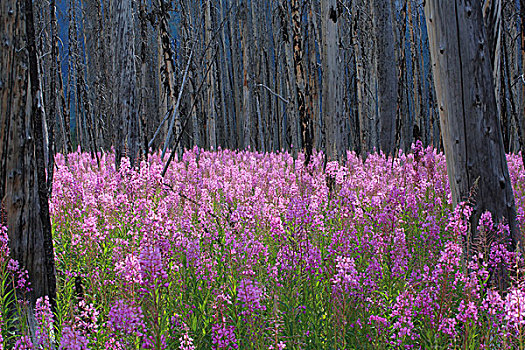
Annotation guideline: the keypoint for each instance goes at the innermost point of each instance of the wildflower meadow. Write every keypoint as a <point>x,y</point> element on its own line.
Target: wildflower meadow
<point>244,250</point>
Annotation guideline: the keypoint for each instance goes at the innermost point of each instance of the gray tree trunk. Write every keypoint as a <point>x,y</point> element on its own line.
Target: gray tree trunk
<point>522,83</point>
<point>22,169</point>
<point>469,121</point>
<point>418,128</point>
<point>314,85</point>
<point>124,84</point>
<point>386,73</point>
<point>300,80</point>
<point>247,83</point>
<point>330,77</point>
<point>365,105</point>
<point>211,80</point>
<point>492,15</point>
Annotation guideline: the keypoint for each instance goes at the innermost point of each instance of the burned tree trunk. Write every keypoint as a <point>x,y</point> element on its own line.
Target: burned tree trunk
<point>124,85</point>
<point>493,25</point>
<point>23,187</point>
<point>469,121</point>
<point>247,73</point>
<point>330,77</point>
<point>166,67</point>
<point>211,80</point>
<point>522,83</point>
<point>386,73</point>
<point>300,81</point>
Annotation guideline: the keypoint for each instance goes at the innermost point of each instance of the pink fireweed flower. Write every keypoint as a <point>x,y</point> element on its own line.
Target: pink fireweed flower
<point>515,308</point>
<point>152,267</point>
<point>280,346</point>
<point>73,340</point>
<point>126,320</point>
<point>250,294</point>
<point>186,342</point>
<point>115,344</point>
<point>24,343</point>
<point>44,321</point>
<point>403,313</point>
<point>129,270</point>
<point>493,303</point>
<point>4,244</point>
<point>380,323</point>
<point>467,312</point>
<point>500,256</point>
<point>90,229</point>
<point>459,224</point>
<point>485,222</point>
<point>21,276</point>
<point>223,336</point>
<point>346,277</point>
<point>448,326</point>
<point>450,258</point>
<point>86,318</point>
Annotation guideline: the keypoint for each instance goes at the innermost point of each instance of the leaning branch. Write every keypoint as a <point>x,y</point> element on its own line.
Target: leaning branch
<point>285,100</point>
<point>176,110</point>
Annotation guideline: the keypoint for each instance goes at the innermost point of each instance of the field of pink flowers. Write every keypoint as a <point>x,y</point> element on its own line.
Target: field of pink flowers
<point>241,250</point>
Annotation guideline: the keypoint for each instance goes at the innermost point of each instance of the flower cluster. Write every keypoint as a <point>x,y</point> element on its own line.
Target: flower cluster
<point>126,320</point>
<point>255,249</point>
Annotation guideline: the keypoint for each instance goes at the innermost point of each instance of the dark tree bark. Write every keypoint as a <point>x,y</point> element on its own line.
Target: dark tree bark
<point>386,73</point>
<point>522,83</point>
<point>247,77</point>
<point>300,80</point>
<point>492,17</point>
<point>331,78</point>
<point>124,84</point>
<point>23,186</point>
<point>52,93</point>
<point>469,121</point>
<point>211,79</point>
<point>166,68</point>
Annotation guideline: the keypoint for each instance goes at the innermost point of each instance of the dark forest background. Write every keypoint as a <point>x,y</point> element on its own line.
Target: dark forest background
<point>267,74</point>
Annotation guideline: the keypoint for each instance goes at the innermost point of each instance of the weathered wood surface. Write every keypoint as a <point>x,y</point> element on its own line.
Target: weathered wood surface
<point>469,120</point>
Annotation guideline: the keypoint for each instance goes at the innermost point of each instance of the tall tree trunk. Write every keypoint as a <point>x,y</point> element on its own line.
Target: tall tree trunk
<point>290,125</point>
<point>166,70</point>
<point>143,92</point>
<point>73,90</point>
<point>247,82</point>
<point>300,80</point>
<point>522,82</point>
<point>386,73</point>
<point>52,92</point>
<point>314,85</point>
<point>366,119</point>
<point>124,85</point>
<point>468,113</point>
<point>65,120</point>
<point>211,80</point>
<point>330,76</point>
<point>405,125</point>
<point>419,131</point>
<point>23,187</point>
<point>516,131</point>
<point>257,63</point>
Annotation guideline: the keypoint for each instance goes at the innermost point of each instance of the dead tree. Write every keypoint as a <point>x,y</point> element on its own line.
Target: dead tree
<point>124,84</point>
<point>386,73</point>
<point>23,186</point>
<point>469,120</point>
